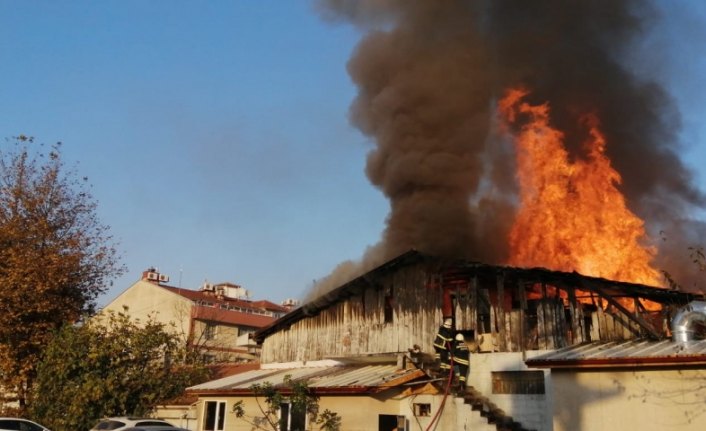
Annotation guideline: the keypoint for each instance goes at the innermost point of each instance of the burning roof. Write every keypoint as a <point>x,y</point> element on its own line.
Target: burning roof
<point>613,291</point>
<point>578,169</point>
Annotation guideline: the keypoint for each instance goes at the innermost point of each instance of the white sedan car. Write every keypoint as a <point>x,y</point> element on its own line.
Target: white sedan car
<point>124,422</point>
<point>155,428</point>
<point>19,424</point>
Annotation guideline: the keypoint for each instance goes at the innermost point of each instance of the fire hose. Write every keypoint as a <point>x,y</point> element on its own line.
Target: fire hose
<point>446,391</point>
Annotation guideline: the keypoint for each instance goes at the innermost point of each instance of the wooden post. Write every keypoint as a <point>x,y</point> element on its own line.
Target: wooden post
<point>646,326</point>
<point>543,338</point>
<point>502,340</point>
<point>575,326</point>
<point>473,299</point>
<point>493,322</point>
<point>523,324</point>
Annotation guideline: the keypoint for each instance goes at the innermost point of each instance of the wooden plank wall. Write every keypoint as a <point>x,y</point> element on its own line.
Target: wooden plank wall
<point>606,326</point>
<point>356,325</point>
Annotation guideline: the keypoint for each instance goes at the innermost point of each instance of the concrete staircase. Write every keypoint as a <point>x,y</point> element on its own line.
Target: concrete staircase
<point>489,413</point>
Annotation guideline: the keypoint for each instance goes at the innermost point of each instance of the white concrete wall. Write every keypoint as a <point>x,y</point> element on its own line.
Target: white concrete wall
<point>145,300</point>
<point>358,413</point>
<point>533,411</point>
<point>659,400</point>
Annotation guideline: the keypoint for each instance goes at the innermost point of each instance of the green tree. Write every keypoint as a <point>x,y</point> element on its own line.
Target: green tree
<point>55,256</point>
<point>113,367</point>
<point>297,395</point>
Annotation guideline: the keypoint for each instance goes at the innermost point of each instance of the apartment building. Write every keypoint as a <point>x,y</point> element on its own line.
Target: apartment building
<point>217,318</point>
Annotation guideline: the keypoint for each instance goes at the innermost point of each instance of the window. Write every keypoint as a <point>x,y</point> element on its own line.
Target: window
<point>19,425</point>
<point>518,382</point>
<point>150,424</point>
<point>214,415</point>
<point>209,331</point>
<point>422,409</point>
<point>388,305</point>
<point>243,330</point>
<point>292,419</point>
<point>392,423</point>
<point>103,425</point>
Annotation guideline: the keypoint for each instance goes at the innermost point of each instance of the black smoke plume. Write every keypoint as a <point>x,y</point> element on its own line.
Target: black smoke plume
<point>428,73</point>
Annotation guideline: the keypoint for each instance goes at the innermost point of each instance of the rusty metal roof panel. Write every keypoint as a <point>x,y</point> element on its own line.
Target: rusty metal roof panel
<point>324,377</point>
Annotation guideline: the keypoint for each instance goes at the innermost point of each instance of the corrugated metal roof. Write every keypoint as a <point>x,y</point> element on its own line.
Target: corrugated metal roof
<point>330,378</point>
<point>630,353</point>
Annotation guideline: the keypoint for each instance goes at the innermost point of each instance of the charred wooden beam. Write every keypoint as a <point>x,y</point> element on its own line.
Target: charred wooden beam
<point>575,324</point>
<point>635,318</point>
<point>523,315</point>
<point>544,341</point>
<point>500,283</point>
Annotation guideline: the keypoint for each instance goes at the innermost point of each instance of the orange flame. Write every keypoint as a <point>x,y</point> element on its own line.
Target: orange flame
<point>572,217</point>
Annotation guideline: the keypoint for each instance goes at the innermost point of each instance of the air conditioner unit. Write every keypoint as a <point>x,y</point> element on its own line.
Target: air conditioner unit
<point>153,276</point>
<point>163,278</point>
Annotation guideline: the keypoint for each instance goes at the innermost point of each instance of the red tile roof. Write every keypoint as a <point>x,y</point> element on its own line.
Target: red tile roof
<point>271,306</point>
<point>200,295</point>
<point>241,312</point>
<point>233,317</point>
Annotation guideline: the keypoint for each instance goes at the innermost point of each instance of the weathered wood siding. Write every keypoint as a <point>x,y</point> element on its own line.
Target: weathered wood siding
<point>356,326</point>
<point>516,315</point>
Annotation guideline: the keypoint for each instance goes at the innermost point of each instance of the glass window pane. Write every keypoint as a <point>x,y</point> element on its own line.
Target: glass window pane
<point>210,416</point>
<point>221,415</point>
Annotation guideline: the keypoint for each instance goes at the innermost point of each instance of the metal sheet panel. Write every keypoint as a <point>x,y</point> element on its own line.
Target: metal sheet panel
<point>370,376</point>
<point>638,349</point>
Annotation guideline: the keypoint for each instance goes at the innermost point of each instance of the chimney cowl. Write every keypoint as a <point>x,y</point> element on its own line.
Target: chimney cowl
<point>683,323</point>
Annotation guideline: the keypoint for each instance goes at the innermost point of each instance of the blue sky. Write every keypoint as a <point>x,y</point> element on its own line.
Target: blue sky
<point>215,134</point>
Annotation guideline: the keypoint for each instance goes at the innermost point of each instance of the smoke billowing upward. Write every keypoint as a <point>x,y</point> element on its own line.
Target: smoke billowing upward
<point>428,73</point>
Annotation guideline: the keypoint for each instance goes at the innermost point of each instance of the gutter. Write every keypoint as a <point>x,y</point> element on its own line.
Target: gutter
<point>665,361</point>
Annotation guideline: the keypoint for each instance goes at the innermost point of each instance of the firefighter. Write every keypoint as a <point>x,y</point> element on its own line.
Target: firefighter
<point>442,345</point>
<point>461,360</point>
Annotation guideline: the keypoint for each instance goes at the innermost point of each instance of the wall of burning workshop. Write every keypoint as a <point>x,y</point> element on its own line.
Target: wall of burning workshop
<point>494,309</point>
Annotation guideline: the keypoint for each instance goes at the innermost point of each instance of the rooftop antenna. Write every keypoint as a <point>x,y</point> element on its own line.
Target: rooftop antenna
<point>181,271</point>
